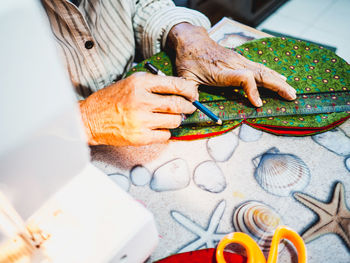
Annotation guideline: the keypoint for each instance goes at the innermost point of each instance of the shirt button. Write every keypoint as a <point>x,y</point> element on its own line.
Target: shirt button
<point>89,44</point>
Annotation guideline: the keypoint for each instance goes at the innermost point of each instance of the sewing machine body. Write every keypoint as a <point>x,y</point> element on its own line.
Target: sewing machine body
<point>74,210</point>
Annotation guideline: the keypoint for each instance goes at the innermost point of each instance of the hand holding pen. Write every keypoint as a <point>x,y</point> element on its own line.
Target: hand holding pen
<point>153,69</point>
<point>138,110</point>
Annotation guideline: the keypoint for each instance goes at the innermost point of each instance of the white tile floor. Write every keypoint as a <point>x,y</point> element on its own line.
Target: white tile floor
<point>323,21</point>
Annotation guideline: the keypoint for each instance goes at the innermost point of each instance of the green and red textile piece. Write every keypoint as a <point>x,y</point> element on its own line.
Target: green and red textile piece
<point>309,69</point>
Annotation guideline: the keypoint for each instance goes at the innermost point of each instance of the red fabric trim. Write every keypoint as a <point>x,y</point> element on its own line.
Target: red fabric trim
<point>285,131</point>
<point>280,130</point>
<point>201,136</point>
<point>298,128</point>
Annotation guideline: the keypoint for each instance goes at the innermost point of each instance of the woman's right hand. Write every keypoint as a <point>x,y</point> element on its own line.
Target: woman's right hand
<point>137,110</point>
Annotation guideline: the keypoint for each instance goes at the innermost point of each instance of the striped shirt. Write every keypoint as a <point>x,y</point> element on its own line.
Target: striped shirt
<point>98,38</point>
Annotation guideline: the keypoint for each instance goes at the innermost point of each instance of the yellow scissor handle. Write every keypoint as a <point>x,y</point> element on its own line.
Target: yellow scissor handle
<point>254,254</point>
<point>284,232</point>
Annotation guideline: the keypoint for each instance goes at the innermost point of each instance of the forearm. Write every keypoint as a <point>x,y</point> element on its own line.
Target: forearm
<point>185,33</point>
<point>154,19</point>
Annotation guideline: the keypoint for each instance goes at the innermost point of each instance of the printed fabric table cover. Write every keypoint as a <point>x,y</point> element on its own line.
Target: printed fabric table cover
<point>244,180</point>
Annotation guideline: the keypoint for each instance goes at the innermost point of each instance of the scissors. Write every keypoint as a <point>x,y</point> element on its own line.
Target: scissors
<point>254,254</point>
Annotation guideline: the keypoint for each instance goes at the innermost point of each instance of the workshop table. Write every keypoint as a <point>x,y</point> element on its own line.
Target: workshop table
<point>201,190</point>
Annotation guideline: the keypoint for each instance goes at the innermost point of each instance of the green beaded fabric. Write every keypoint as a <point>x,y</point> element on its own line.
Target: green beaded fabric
<point>309,69</point>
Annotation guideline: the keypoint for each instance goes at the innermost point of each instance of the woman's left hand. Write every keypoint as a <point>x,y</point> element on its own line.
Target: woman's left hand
<point>201,59</point>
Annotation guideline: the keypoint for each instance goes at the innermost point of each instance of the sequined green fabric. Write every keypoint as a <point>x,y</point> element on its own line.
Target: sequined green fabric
<point>309,68</point>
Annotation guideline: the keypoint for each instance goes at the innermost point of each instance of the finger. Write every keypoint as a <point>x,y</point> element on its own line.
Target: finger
<point>165,121</point>
<point>172,85</point>
<point>276,84</point>
<point>245,79</point>
<point>171,104</point>
<point>157,136</point>
<point>284,78</point>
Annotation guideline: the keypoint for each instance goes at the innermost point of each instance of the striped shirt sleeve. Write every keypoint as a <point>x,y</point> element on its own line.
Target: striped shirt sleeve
<point>154,19</point>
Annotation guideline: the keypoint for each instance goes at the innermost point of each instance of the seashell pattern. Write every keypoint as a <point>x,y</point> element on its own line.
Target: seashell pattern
<point>140,175</point>
<point>347,163</point>
<point>249,134</point>
<point>208,176</point>
<point>281,173</point>
<point>121,180</point>
<point>257,220</point>
<point>335,141</point>
<point>173,175</point>
<point>221,148</point>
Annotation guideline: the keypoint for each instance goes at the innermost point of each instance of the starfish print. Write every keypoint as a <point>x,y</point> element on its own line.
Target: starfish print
<point>334,217</point>
<point>205,237</point>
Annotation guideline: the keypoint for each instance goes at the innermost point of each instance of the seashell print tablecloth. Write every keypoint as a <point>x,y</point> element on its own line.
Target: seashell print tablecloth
<point>244,180</point>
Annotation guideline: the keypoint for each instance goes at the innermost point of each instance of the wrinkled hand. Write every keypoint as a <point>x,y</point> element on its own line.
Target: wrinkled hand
<point>137,110</point>
<point>201,59</point>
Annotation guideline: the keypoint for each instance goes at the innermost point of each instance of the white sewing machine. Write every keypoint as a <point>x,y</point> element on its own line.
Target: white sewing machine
<point>72,211</point>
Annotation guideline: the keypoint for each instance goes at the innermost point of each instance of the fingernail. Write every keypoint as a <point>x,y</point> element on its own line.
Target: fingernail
<point>259,102</point>
<point>283,77</point>
<point>191,108</point>
<point>293,93</point>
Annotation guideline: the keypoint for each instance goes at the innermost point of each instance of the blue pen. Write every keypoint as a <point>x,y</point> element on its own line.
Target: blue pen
<point>207,112</point>
<point>153,69</point>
